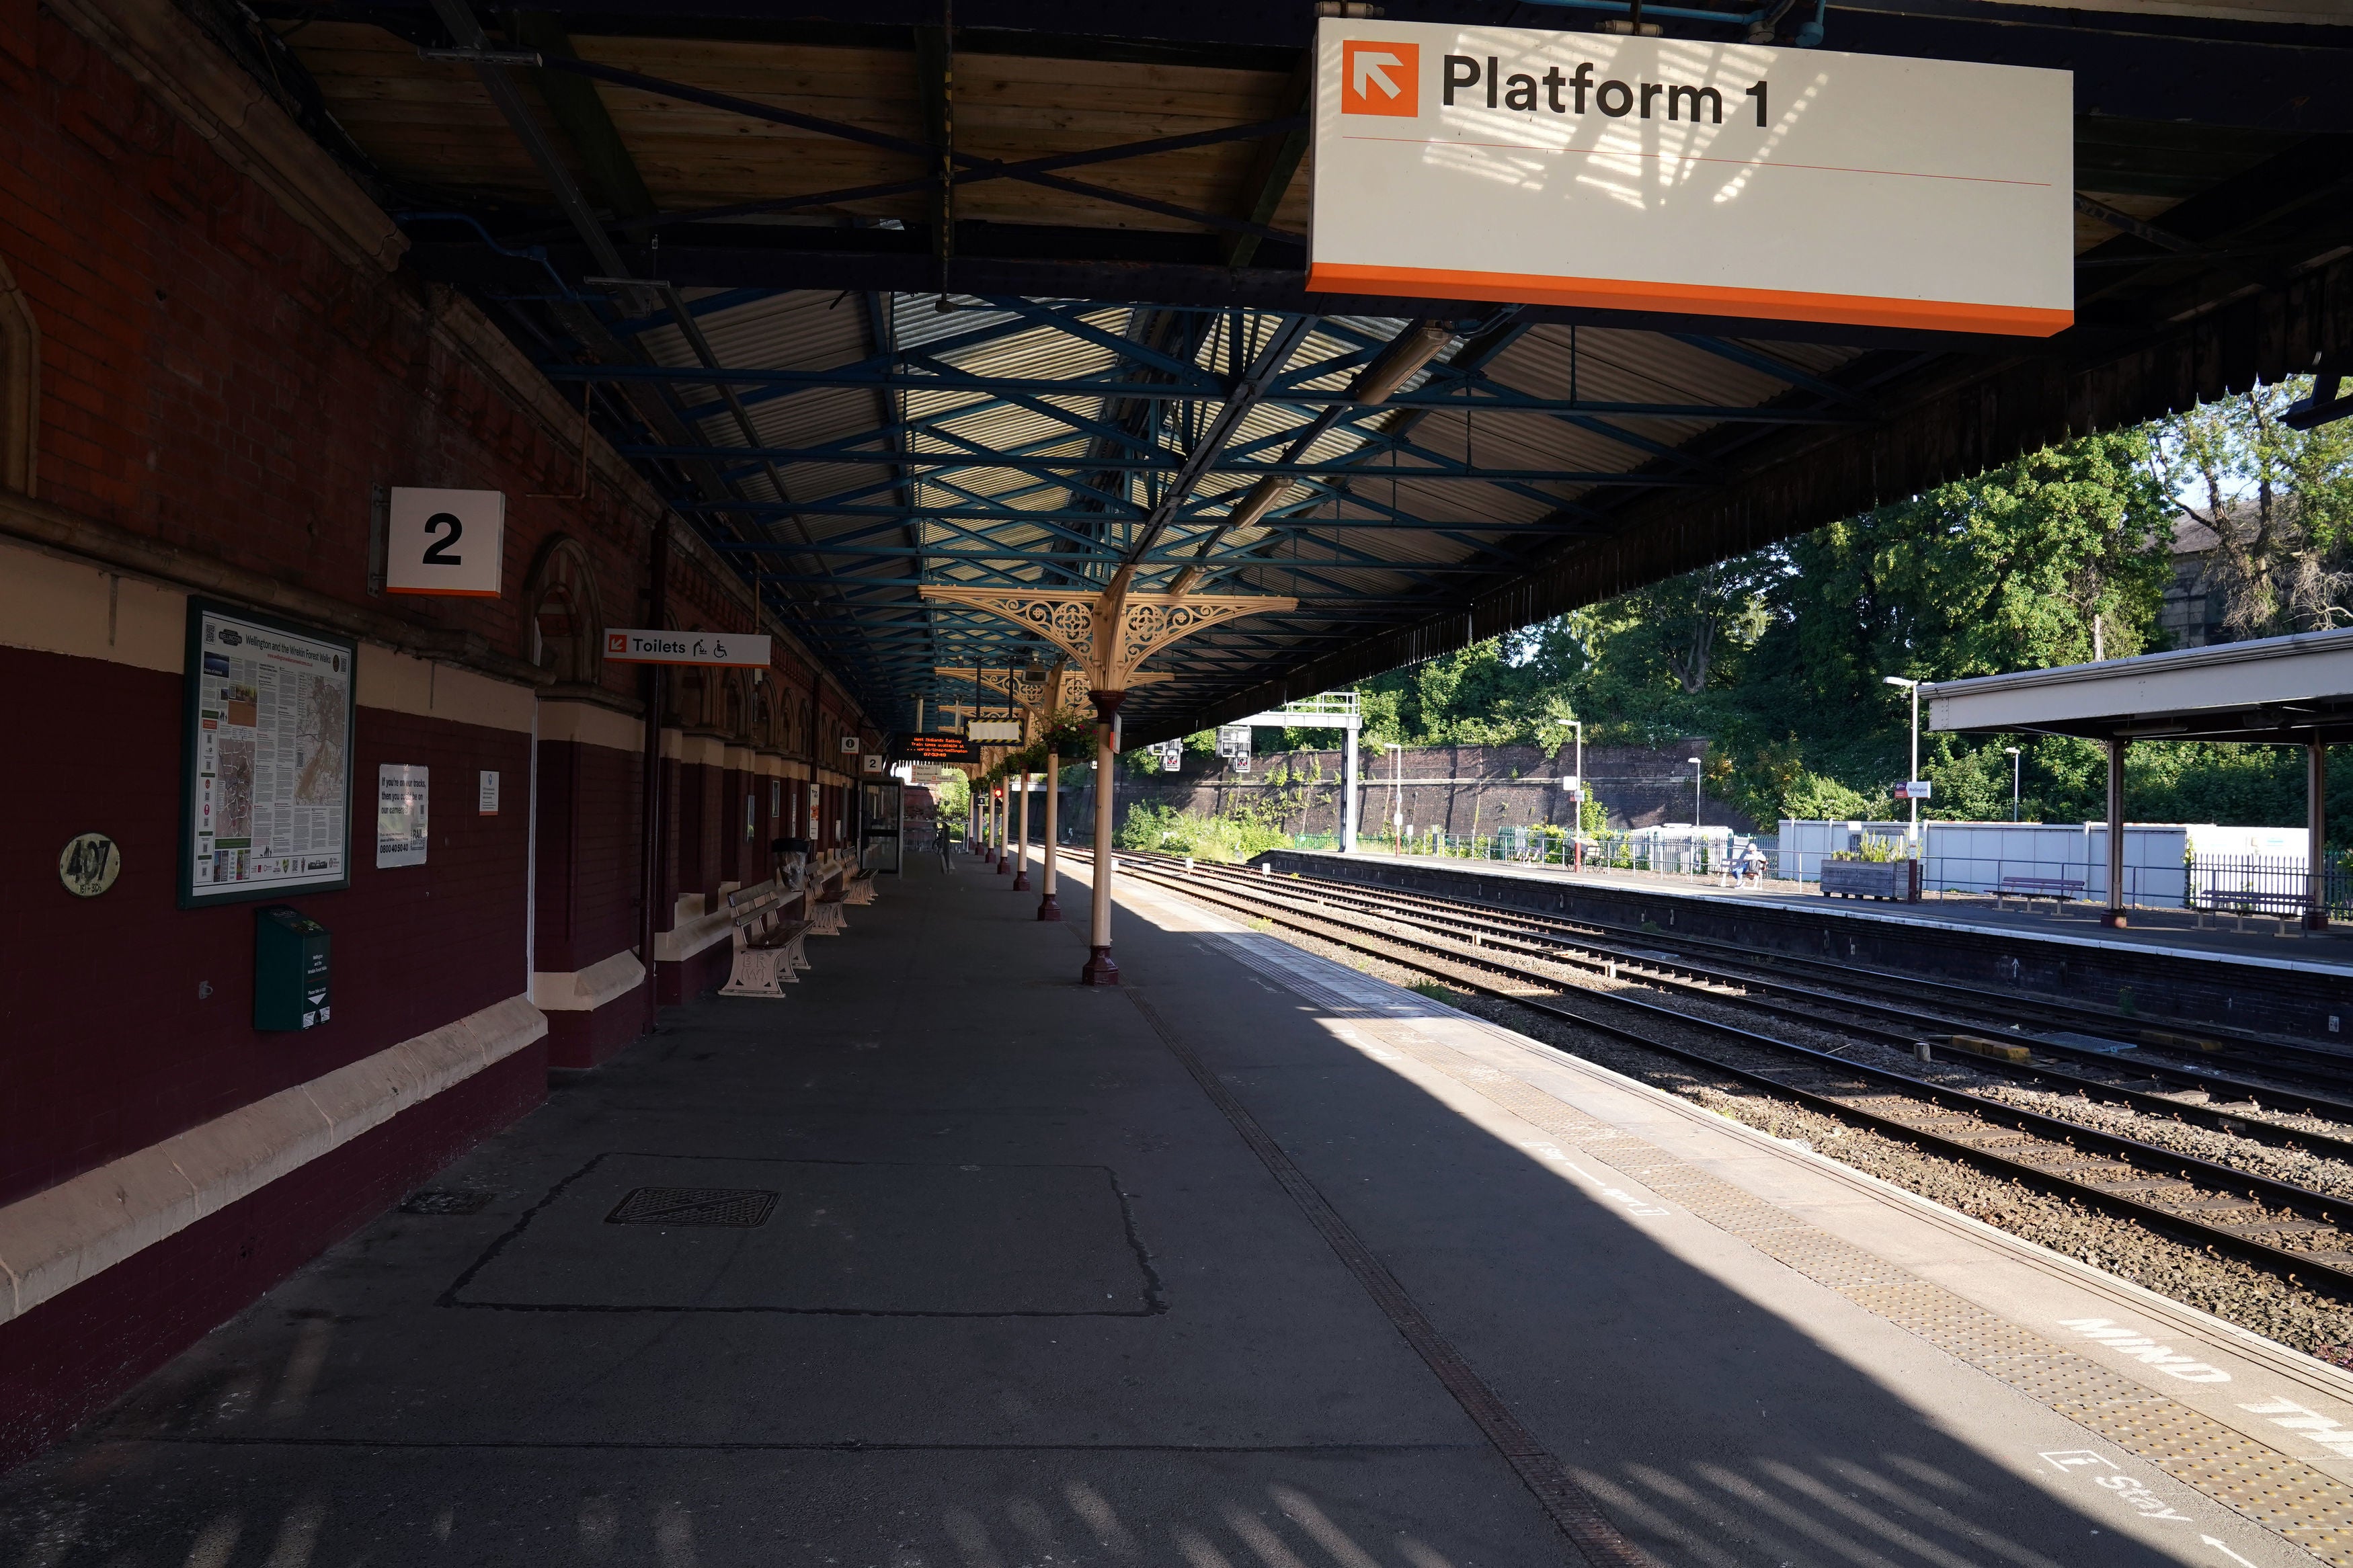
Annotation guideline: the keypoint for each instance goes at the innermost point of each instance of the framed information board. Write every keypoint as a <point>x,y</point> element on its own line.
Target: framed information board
<point>266,758</point>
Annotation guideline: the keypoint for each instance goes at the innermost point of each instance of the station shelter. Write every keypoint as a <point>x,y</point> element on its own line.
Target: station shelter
<point>2294,690</point>
<point>487,498</point>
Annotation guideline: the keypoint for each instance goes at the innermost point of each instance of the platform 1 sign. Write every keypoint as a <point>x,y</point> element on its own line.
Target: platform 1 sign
<point>1692,177</point>
<point>729,650</point>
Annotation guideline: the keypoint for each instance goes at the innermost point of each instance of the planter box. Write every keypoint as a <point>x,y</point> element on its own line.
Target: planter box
<point>1872,879</point>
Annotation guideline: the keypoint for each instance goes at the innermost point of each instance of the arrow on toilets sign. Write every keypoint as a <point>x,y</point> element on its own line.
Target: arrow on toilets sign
<point>731,650</point>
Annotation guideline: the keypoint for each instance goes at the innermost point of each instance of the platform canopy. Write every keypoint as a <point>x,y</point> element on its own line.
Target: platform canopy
<point>882,305</point>
<point>2290,689</point>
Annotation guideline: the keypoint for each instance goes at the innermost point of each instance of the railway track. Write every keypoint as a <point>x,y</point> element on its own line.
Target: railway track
<point>2302,1235</point>
<point>1979,1026</point>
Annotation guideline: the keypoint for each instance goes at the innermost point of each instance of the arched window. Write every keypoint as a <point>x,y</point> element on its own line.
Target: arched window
<point>689,699</point>
<point>732,713</point>
<point>20,387</point>
<point>565,633</point>
<point>764,727</point>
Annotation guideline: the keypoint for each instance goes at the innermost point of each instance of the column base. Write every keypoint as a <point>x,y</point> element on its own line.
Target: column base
<point>2114,920</point>
<point>1021,880</point>
<point>1100,970</point>
<point>1004,865</point>
<point>1048,909</point>
<point>2316,919</point>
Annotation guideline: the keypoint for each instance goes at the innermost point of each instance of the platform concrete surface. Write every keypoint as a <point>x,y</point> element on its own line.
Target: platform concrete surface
<point>944,1262</point>
<point>2161,930</point>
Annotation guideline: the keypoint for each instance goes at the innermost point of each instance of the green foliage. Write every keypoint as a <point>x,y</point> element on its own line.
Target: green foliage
<point>2056,558</point>
<point>2281,500</point>
<point>1228,839</point>
<point>954,797</point>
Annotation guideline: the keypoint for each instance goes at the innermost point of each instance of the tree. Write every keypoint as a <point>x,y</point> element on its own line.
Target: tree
<point>2280,501</point>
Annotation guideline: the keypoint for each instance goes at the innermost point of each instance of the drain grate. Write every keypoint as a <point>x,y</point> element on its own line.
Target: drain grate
<point>738,1207</point>
<point>447,1199</point>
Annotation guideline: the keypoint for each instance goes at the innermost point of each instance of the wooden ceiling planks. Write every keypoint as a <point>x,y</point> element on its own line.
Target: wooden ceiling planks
<point>429,125</point>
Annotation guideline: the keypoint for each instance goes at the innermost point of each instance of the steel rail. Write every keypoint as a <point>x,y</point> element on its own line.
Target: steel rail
<point>1464,969</point>
<point>1645,967</point>
<point>2210,1040</point>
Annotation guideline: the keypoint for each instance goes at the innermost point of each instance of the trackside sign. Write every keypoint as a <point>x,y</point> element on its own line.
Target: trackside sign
<point>1683,175</point>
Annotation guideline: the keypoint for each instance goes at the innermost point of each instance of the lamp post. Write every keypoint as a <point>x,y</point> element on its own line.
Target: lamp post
<point>2011,752</point>
<point>1397,793</point>
<point>1694,762</point>
<point>1913,688</point>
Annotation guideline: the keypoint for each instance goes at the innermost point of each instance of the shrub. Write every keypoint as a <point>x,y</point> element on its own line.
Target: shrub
<point>1227,839</point>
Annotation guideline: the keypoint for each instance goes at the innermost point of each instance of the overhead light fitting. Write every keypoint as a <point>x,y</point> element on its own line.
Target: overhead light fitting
<point>1408,353</point>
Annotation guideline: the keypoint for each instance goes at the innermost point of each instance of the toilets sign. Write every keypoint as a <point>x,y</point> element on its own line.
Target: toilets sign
<point>1694,178</point>
<point>729,650</point>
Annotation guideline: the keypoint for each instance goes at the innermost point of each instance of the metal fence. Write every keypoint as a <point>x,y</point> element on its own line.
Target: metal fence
<point>2252,884</point>
<point>2266,884</point>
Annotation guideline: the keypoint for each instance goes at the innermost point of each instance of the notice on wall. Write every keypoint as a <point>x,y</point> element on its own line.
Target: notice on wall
<point>487,801</point>
<point>1465,162</point>
<point>401,797</point>
<point>268,753</point>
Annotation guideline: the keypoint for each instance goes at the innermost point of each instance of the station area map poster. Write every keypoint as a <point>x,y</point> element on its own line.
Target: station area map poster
<point>267,795</point>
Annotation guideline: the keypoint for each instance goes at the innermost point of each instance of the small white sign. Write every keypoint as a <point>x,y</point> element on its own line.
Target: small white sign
<point>994,731</point>
<point>401,791</point>
<point>1572,784</point>
<point>871,763</point>
<point>446,542</point>
<point>1914,789</point>
<point>731,650</point>
<point>848,745</point>
<point>488,800</point>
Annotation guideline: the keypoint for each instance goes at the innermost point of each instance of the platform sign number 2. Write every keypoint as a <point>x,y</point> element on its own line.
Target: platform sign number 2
<point>446,542</point>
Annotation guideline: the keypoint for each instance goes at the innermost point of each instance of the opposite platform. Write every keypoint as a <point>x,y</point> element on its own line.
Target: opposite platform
<point>943,1261</point>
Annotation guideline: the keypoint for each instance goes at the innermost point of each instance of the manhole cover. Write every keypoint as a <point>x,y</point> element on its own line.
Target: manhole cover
<point>742,1207</point>
<point>447,1199</point>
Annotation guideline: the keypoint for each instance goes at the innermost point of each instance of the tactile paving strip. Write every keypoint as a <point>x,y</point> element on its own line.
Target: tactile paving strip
<point>2311,1509</point>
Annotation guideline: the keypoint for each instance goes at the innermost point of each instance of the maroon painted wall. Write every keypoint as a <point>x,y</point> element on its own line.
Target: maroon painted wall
<point>105,1044</point>
<point>589,838</point>
<point>69,1357</point>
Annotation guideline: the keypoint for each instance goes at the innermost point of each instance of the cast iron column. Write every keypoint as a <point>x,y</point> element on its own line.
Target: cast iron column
<point>1021,837</point>
<point>1348,839</point>
<point>2316,833</point>
<point>1100,970</point>
<point>2115,914</point>
<point>1005,825</point>
<point>1048,909</point>
<point>650,803</point>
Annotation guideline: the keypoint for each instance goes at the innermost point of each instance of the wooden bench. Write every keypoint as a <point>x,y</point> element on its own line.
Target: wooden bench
<point>768,953</point>
<point>2026,890</point>
<point>2282,914</point>
<point>859,889</point>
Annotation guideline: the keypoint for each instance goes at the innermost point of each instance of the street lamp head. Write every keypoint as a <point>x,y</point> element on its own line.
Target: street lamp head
<point>1693,760</point>
<point>1899,680</point>
<point>2010,750</point>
